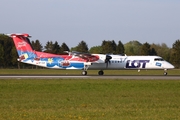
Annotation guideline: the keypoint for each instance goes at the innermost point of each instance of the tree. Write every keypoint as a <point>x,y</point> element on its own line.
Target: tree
<point>120,48</point>
<point>165,51</point>
<point>49,47</point>
<point>95,50</point>
<point>1,55</point>
<point>7,44</point>
<point>74,48</point>
<point>82,47</point>
<point>64,47</point>
<point>145,49</point>
<point>56,48</point>
<point>108,47</point>
<point>14,57</point>
<point>175,54</point>
<point>153,51</point>
<point>37,45</point>
<point>114,46</point>
<point>162,50</point>
<point>133,47</point>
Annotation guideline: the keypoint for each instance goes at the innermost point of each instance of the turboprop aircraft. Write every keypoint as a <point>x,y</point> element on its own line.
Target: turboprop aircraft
<point>84,61</point>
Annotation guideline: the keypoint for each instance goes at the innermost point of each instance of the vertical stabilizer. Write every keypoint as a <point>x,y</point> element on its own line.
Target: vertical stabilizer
<point>23,46</point>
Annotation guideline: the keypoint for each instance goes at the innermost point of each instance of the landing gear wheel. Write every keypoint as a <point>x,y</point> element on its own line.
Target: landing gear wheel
<point>100,72</point>
<point>84,72</point>
<point>165,73</point>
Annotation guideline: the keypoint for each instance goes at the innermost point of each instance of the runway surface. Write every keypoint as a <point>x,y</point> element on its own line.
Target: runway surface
<point>137,77</point>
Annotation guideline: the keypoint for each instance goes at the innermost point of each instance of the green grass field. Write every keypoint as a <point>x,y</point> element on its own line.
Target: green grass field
<point>84,99</point>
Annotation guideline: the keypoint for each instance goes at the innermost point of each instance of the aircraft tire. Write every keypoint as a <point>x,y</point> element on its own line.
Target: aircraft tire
<point>165,73</point>
<point>84,72</point>
<point>100,72</point>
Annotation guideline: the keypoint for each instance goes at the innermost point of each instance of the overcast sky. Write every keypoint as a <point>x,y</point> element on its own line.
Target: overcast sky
<point>71,21</point>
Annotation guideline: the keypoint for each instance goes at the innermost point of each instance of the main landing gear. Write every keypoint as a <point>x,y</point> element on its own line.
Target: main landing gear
<point>84,72</point>
<point>101,72</point>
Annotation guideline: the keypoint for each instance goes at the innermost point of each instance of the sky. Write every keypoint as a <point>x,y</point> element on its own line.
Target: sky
<point>71,21</point>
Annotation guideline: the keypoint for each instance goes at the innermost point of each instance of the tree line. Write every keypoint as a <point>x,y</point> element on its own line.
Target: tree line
<point>8,53</point>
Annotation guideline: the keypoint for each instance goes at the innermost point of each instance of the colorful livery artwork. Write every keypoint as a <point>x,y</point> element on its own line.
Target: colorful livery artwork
<point>84,61</point>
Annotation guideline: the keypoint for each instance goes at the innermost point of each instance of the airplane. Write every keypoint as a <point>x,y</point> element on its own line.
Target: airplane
<point>84,61</point>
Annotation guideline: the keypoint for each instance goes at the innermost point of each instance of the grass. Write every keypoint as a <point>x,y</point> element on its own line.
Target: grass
<point>90,72</point>
<point>66,99</point>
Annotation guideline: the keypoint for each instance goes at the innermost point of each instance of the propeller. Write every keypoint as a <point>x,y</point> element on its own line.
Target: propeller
<point>107,60</point>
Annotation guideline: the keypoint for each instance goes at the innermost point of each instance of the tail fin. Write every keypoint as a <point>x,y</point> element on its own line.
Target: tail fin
<point>23,46</point>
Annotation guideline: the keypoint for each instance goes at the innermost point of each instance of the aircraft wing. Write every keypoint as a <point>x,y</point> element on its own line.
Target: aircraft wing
<point>93,58</point>
<point>86,56</point>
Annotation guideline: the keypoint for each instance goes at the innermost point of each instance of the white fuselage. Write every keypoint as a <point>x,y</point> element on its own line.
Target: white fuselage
<point>133,62</point>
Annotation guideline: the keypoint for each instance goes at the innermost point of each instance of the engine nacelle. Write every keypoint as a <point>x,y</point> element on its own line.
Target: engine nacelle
<point>102,58</point>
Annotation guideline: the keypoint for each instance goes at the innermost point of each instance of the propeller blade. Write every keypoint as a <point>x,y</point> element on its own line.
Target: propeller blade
<point>107,60</point>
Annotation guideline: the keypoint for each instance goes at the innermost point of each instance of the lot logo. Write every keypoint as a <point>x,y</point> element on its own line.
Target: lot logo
<point>158,64</point>
<point>136,63</point>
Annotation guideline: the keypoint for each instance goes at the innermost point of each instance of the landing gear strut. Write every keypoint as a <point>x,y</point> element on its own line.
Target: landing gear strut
<point>84,72</point>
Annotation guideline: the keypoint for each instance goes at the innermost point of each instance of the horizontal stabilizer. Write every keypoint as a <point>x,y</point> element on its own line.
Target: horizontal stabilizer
<point>19,34</point>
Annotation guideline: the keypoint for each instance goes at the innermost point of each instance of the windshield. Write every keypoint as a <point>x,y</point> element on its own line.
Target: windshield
<point>158,59</point>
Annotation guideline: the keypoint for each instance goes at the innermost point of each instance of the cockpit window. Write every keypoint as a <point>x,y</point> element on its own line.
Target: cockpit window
<point>158,59</point>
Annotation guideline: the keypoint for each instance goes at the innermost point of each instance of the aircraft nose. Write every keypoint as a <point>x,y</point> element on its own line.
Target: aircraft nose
<point>169,66</point>
<point>172,67</point>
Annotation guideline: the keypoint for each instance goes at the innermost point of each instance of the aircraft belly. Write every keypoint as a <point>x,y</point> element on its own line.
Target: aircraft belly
<point>99,66</point>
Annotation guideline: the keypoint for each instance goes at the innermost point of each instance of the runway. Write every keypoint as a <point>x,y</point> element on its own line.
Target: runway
<point>131,77</point>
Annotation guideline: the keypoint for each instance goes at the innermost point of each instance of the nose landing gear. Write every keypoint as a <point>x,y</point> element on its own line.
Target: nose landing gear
<point>165,72</point>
